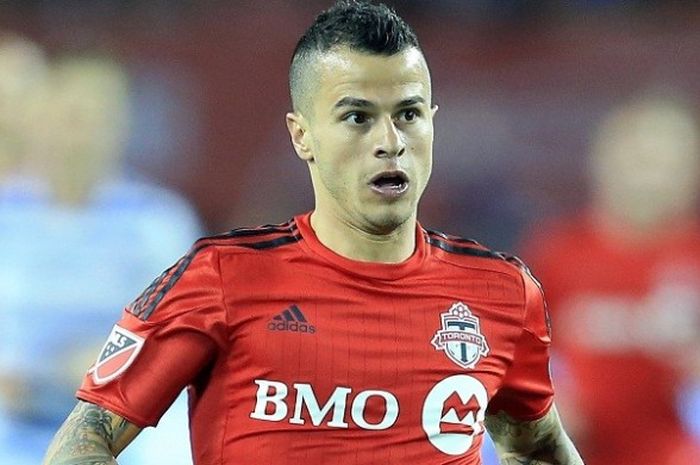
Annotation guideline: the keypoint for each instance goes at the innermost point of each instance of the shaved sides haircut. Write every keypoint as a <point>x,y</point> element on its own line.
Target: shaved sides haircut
<point>357,25</point>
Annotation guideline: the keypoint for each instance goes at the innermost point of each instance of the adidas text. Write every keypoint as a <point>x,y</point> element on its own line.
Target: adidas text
<point>291,326</point>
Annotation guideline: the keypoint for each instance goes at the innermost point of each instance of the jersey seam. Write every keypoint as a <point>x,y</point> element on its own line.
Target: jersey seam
<point>255,236</point>
<point>226,321</point>
<point>236,249</point>
<point>223,290</point>
<point>478,268</point>
<point>525,274</point>
<point>523,326</point>
<point>534,336</point>
<point>476,250</point>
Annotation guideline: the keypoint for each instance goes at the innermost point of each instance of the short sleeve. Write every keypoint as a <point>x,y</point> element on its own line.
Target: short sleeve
<point>527,392</point>
<point>163,342</point>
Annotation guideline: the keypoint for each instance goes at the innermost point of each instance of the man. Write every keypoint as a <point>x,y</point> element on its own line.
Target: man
<point>623,278</point>
<point>350,334</point>
<point>70,217</point>
<point>23,74</point>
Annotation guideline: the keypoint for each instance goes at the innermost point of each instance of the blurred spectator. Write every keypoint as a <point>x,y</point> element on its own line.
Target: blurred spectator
<point>623,285</point>
<point>23,72</point>
<point>78,242</point>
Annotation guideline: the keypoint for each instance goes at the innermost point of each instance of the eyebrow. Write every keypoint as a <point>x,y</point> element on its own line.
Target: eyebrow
<point>411,101</point>
<point>353,102</point>
<point>362,103</point>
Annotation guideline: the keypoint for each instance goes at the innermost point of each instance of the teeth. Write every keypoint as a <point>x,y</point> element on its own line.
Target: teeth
<point>392,180</point>
<point>392,186</point>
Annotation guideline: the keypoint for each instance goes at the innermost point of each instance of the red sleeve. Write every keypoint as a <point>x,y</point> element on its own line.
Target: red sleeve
<point>165,339</point>
<point>527,392</point>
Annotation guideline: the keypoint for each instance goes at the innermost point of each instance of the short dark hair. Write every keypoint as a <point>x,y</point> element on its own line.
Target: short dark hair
<point>358,25</point>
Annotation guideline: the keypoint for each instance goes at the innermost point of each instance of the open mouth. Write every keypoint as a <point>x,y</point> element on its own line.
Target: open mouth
<point>390,183</point>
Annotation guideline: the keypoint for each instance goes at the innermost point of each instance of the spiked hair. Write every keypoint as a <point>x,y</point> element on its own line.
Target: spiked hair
<point>358,25</point>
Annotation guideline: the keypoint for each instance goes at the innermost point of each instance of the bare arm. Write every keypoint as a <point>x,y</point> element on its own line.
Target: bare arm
<point>90,435</point>
<point>539,442</point>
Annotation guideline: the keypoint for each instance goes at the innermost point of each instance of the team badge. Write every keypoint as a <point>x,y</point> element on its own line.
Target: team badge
<point>460,337</point>
<point>116,356</point>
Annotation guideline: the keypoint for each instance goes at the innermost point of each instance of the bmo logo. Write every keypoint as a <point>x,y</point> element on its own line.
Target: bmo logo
<point>452,416</point>
<point>273,401</point>
<point>454,412</point>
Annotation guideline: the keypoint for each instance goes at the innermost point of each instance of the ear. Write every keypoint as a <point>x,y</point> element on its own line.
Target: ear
<point>298,132</point>
<point>434,109</point>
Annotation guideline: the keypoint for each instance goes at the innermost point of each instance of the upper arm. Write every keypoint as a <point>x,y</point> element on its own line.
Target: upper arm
<point>166,340</point>
<point>527,392</point>
<point>91,433</point>
<point>521,418</point>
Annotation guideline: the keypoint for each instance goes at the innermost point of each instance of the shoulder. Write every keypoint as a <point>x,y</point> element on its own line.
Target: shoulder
<point>468,253</point>
<point>261,238</point>
<point>198,274</point>
<point>207,251</point>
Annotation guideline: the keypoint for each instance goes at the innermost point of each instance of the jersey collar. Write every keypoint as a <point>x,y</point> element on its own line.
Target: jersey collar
<point>372,270</point>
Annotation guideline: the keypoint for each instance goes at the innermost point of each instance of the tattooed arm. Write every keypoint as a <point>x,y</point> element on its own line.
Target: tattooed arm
<point>90,435</point>
<point>538,442</point>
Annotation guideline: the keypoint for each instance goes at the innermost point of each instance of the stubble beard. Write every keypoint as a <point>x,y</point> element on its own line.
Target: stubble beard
<point>385,219</point>
<point>365,213</point>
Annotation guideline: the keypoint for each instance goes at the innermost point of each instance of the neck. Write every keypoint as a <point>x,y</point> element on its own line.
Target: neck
<point>635,233</point>
<point>353,242</point>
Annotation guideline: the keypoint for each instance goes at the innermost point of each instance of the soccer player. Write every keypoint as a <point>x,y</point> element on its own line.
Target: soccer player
<point>629,300</point>
<point>350,334</point>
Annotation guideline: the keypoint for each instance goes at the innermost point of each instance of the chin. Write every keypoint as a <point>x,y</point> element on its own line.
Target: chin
<point>386,221</point>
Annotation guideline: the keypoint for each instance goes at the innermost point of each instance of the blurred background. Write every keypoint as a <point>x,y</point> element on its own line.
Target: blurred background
<point>567,133</point>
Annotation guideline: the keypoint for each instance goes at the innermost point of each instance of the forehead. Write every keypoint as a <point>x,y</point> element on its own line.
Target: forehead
<point>377,78</point>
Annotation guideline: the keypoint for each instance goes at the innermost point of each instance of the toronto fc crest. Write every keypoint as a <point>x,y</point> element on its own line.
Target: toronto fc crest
<point>460,336</point>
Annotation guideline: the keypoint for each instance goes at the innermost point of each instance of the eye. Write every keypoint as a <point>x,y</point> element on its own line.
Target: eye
<point>356,117</point>
<point>410,114</point>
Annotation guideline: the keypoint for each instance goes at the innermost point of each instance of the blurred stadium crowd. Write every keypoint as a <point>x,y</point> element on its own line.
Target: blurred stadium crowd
<point>567,133</point>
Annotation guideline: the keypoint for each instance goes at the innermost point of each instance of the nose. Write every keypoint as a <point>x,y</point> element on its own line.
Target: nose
<point>390,141</point>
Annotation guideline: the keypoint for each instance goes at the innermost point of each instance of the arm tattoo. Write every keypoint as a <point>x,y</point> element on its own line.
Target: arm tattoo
<point>90,435</point>
<point>539,442</point>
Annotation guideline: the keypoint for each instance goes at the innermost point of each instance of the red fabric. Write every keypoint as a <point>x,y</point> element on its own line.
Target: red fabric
<point>623,314</point>
<point>370,343</point>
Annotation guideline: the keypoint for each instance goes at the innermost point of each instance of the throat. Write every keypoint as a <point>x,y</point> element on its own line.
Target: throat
<point>357,243</point>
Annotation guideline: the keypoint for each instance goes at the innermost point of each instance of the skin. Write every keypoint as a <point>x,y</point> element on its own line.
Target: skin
<point>23,75</point>
<point>539,442</point>
<point>86,118</point>
<point>369,114</point>
<point>91,435</point>
<point>645,167</point>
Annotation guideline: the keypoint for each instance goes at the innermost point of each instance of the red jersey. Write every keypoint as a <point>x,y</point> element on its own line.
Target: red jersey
<point>627,315</point>
<point>294,354</point>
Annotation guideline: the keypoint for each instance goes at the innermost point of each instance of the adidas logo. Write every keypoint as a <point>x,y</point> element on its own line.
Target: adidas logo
<point>291,319</point>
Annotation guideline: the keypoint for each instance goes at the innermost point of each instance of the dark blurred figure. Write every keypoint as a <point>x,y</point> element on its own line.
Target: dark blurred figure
<point>77,239</point>
<point>623,285</point>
